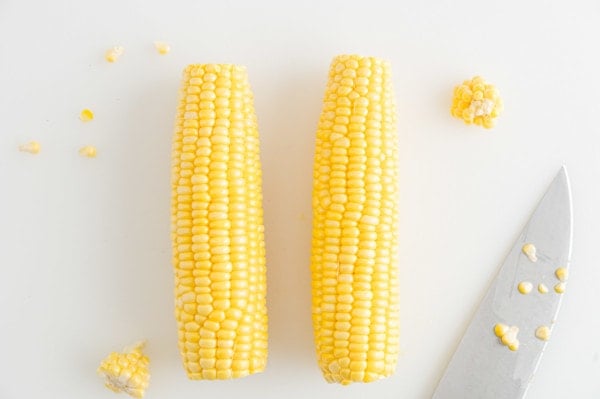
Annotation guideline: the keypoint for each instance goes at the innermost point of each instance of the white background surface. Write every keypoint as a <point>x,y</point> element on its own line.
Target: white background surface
<point>85,251</point>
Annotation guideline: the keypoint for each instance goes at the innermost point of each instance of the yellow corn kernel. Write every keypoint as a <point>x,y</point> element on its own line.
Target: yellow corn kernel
<point>476,102</point>
<point>32,147</point>
<point>86,115</point>
<point>560,288</point>
<point>525,287</point>
<point>500,329</point>
<point>126,371</point>
<point>355,222</point>
<point>217,212</point>
<point>162,47</point>
<point>88,151</point>
<point>113,53</point>
<point>562,273</point>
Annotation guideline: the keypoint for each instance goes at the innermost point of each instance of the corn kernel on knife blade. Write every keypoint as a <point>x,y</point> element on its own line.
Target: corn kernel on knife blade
<point>481,366</point>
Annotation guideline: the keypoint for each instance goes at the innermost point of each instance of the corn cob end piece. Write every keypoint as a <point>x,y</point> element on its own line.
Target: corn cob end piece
<point>476,101</point>
<point>126,371</point>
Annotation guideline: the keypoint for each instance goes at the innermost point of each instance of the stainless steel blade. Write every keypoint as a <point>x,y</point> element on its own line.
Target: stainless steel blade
<point>481,366</point>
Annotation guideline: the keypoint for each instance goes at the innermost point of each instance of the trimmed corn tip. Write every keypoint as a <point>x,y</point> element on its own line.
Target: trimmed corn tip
<point>126,371</point>
<point>32,147</point>
<point>162,47</point>
<point>217,226</point>
<point>476,102</point>
<point>86,115</point>
<point>355,223</point>
<point>88,151</point>
<point>113,53</point>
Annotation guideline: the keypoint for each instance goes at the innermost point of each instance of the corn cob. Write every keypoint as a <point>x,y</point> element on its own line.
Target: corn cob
<point>126,372</point>
<point>354,255</point>
<point>217,226</point>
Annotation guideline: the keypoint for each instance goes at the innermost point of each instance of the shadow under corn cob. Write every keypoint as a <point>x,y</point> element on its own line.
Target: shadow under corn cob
<point>217,226</point>
<point>355,223</point>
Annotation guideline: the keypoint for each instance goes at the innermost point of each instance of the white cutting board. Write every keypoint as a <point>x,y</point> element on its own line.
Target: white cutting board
<point>85,251</point>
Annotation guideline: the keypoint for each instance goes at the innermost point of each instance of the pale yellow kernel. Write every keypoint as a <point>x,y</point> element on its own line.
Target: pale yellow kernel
<point>86,115</point>
<point>525,287</point>
<point>32,147</point>
<point>542,288</point>
<point>162,47</point>
<point>560,288</point>
<point>531,252</point>
<point>543,333</point>
<point>562,273</point>
<point>88,151</point>
<point>113,53</point>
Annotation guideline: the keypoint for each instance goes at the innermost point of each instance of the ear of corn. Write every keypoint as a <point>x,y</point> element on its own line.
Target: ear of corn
<point>217,226</point>
<point>127,371</point>
<point>354,243</point>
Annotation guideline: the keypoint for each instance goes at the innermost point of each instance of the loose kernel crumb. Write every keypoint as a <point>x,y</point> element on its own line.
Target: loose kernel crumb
<point>525,287</point>
<point>542,289</point>
<point>113,54</point>
<point>476,101</point>
<point>542,333</point>
<point>560,288</point>
<point>86,115</point>
<point>88,151</point>
<point>162,47</point>
<point>562,273</point>
<point>32,147</point>
<point>531,252</point>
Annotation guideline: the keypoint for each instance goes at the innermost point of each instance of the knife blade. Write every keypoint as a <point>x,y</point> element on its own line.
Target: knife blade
<point>482,367</point>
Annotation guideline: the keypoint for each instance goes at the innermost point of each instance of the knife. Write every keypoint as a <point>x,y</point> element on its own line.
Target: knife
<point>483,366</point>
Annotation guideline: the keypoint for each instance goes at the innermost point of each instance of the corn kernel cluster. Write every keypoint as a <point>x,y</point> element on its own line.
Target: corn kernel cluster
<point>476,101</point>
<point>217,226</point>
<point>126,372</point>
<point>355,221</point>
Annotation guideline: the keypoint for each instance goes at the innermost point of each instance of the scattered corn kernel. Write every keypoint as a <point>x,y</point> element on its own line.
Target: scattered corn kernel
<point>217,229</point>
<point>543,333</point>
<point>113,53</point>
<point>525,287</point>
<point>162,47</point>
<point>531,251</point>
<point>126,371</point>
<point>562,273</point>
<point>355,222</point>
<point>542,288</point>
<point>500,329</point>
<point>560,288</point>
<point>86,115</point>
<point>32,147</point>
<point>88,151</point>
<point>476,101</point>
<point>507,335</point>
